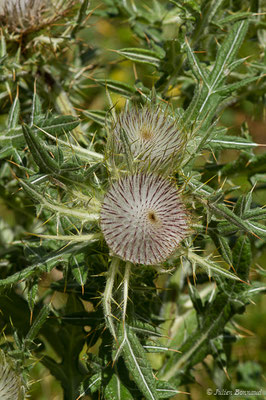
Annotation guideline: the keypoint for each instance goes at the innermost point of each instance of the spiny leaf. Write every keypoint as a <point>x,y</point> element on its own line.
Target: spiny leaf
<point>231,142</point>
<point>41,264</point>
<point>116,390</point>
<point>137,364</point>
<point>38,323</point>
<point>59,125</point>
<point>45,162</point>
<point>227,89</point>
<point>227,52</point>
<point>165,390</point>
<point>57,207</point>
<point>14,114</point>
<point>101,117</point>
<point>209,266</point>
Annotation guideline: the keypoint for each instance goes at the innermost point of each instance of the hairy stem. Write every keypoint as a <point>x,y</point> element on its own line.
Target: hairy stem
<point>107,295</point>
<point>125,290</point>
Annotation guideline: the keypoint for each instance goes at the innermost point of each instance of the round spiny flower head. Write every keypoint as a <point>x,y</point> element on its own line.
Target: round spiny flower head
<point>21,15</point>
<point>10,382</point>
<point>152,135</point>
<point>143,219</point>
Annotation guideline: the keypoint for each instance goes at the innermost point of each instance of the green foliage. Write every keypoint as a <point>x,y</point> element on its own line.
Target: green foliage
<point>101,326</point>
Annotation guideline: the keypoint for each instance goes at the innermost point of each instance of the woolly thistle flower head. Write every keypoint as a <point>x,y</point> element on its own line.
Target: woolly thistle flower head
<point>152,136</point>
<point>10,383</point>
<point>143,219</point>
<point>20,15</point>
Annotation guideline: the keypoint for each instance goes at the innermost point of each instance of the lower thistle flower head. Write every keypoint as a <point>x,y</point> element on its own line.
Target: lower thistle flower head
<point>152,136</point>
<point>143,219</point>
<point>10,383</point>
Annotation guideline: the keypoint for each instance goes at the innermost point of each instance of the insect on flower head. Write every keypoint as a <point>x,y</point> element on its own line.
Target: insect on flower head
<point>143,218</point>
<point>152,135</point>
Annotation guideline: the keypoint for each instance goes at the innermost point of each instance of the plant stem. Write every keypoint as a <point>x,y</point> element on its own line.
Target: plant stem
<point>107,295</point>
<point>125,291</point>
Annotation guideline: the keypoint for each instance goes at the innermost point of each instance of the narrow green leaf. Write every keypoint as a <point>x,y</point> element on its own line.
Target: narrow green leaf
<point>224,249</point>
<point>2,45</point>
<point>36,110</point>
<point>91,385</point>
<point>79,270</point>
<point>98,116</point>
<point>32,295</point>
<point>242,205</point>
<point>255,214</point>
<point>12,136</point>
<point>116,390</point>
<point>83,153</point>
<point>195,65</point>
<point>152,348</point>
<point>137,364</point>
<point>57,207</point>
<point>233,18</point>
<point>14,114</point>
<point>228,89</point>
<point>81,17</point>
<point>257,229</point>
<point>38,323</point>
<point>209,266</point>
<point>59,125</point>
<point>145,329</point>
<point>195,299</point>
<point>40,155</point>
<point>227,51</point>
<point>242,256</point>
<point>141,56</point>
<point>165,390</point>
<point>250,227</point>
<point>231,142</point>
<point>117,87</point>
<point>42,264</point>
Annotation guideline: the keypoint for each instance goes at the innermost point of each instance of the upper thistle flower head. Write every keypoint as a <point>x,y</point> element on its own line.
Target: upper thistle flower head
<point>23,15</point>
<point>143,218</point>
<point>150,135</point>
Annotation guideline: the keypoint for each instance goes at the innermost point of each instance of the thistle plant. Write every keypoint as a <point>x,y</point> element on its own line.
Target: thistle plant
<point>132,215</point>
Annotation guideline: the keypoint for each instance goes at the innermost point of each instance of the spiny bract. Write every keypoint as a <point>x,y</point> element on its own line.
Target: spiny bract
<point>10,382</point>
<point>143,218</point>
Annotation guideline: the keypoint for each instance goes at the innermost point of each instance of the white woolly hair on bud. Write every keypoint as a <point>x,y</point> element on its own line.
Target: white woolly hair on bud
<point>143,219</point>
<point>10,383</point>
<point>152,135</point>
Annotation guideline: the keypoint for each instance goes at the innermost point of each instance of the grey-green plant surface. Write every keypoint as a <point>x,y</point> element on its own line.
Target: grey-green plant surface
<point>131,207</point>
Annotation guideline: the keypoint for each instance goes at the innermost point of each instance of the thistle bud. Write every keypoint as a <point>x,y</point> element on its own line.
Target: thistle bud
<point>152,136</point>
<point>143,219</point>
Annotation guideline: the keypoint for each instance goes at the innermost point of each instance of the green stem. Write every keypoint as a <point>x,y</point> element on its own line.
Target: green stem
<point>107,295</point>
<point>125,290</point>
